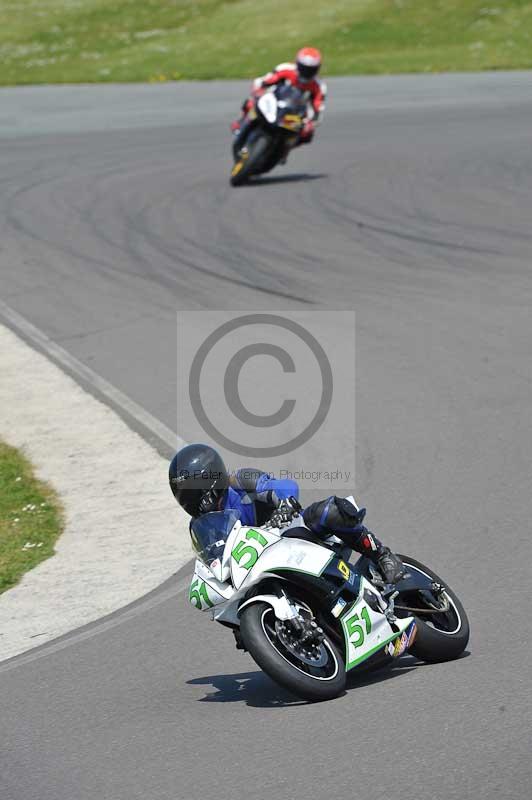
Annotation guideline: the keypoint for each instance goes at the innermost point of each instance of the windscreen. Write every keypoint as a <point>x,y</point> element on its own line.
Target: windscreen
<point>209,534</point>
<point>290,95</point>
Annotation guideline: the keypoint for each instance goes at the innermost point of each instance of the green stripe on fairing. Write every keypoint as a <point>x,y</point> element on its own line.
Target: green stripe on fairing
<point>370,652</point>
<point>327,564</point>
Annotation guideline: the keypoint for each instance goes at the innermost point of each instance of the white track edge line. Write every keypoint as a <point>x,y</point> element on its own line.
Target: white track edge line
<point>63,357</point>
<point>96,628</point>
<point>136,412</point>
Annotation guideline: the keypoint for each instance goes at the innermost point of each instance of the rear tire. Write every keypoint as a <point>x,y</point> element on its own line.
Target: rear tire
<point>248,163</point>
<point>256,629</point>
<point>434,645</point>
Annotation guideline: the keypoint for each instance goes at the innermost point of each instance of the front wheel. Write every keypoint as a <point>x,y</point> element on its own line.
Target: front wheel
<point>249,161</point>
<point>441,635</point>
<point>313,672</point>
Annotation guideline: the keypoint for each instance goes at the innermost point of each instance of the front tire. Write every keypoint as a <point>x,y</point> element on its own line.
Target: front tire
<point>257,626</point>
<point>441,636</point>
<point>249,161</point>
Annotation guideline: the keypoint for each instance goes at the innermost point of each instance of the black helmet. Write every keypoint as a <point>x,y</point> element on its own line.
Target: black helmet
<point>198,478</point>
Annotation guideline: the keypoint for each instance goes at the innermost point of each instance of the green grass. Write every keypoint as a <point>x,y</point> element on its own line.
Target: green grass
<point>56,41</point>
<point>30,518</point>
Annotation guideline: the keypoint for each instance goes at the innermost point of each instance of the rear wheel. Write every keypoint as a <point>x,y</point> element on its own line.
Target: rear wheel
<point>442,624</point>
<point>249,161</point>
<point>312,671</point>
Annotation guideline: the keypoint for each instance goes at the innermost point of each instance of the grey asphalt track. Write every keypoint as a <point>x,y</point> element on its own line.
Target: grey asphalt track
<point>413,207</point>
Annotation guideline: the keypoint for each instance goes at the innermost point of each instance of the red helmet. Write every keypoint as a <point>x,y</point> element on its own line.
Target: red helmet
<point>308,62</point>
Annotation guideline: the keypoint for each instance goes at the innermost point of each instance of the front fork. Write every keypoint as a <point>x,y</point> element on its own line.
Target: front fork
<point>240,139</point>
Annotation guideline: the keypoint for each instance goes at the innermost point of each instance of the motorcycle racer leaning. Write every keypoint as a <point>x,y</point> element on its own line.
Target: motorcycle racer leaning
<point>200,483</point>
<point>302,74</point>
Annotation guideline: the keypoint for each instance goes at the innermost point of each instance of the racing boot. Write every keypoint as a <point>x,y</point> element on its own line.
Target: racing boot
<point>389,564</point>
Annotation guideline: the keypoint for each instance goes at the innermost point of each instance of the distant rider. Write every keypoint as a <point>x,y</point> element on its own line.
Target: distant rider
<point>303,74</point>
<point>200,484</point>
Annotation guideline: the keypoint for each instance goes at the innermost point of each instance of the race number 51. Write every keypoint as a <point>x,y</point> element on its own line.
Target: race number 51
<point>356,631</point>
<point>246,552</point>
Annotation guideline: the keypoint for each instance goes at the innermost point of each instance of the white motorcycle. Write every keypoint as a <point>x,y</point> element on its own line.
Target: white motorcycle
<point>307,615</point>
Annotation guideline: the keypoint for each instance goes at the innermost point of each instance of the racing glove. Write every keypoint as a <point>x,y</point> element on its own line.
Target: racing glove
<point>307,132</point>
<point>284,513</point>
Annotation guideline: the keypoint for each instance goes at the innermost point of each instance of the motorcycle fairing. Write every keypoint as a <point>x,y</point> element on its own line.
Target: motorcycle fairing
<point>337,568</point>
<point>267,105</point>
<point>294,555</point>
<point>277,556</point>
<point>205,590</point>
<point>292,122</point>
<point>367,630</point>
